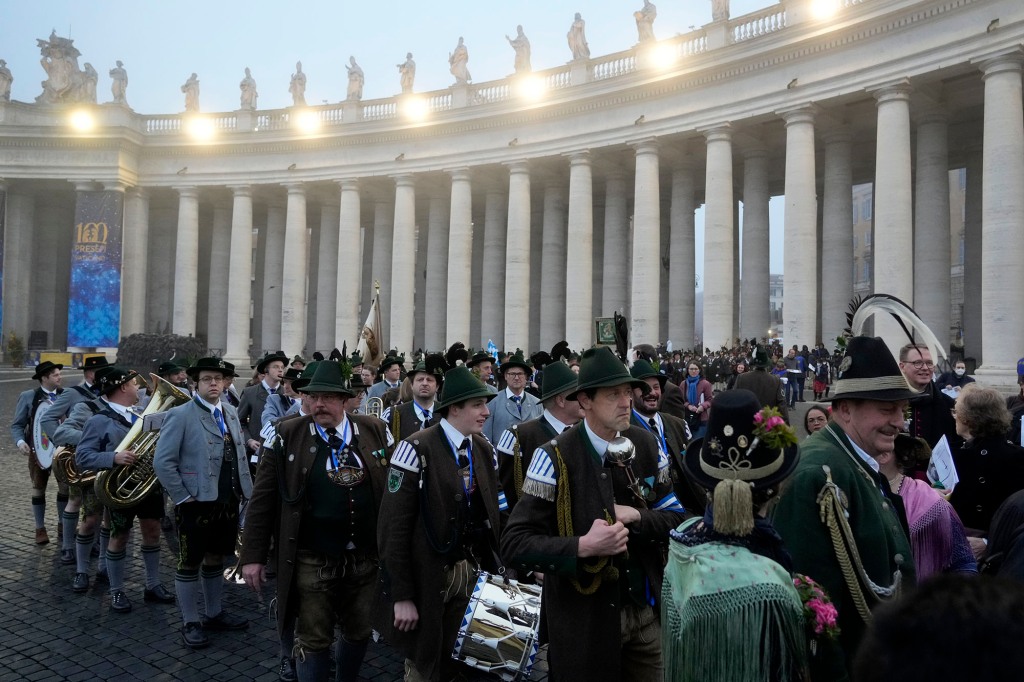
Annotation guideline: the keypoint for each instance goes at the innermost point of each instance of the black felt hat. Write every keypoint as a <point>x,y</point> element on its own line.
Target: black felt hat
<point>392,358</point>
<point>291,374</point>
<point>115,377</point>
<point>642,369</point>
<point>478,357</point>
<point>557,378</point>
<point>869,371</point>
<point>96,362</point>
<point>600,368</point>
<point>211,364</point>
<point>44,368</point>
<point>169,368</point>
<point>261,366</point>
<point>731,450</point>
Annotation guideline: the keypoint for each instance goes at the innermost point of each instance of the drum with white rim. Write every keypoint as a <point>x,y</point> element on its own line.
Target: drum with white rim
<point>42,446</point>
<point>499,633</point>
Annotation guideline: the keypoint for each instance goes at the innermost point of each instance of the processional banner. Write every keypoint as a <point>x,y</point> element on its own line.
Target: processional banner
<point>94,307</point>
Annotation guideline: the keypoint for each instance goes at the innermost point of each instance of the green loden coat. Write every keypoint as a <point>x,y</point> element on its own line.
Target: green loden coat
<point>584,630</point>
<point>278,499</point>
<point>877,522</point>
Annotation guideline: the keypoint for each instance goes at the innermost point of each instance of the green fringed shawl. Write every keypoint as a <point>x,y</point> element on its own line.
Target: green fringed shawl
<point>729,615</point>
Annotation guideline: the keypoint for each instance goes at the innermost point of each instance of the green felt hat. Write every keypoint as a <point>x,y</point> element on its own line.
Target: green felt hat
<point>517,359</point>
<point>599,368</point>
<point>328,378</point>
<point>557,378</point>
<point>642,369</point>
<point>459,385</point>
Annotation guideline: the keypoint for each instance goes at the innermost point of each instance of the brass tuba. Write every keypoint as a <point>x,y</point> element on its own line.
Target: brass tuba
<point>127,484</point>
<point>66,471</point>
<point>374,407</point>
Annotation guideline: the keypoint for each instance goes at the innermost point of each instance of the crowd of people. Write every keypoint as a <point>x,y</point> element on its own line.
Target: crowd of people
<point>649,501</point>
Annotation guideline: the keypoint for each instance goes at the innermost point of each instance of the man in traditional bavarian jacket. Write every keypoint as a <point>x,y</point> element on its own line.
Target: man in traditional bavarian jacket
<point>200,462</point>
<point>598,531</point>
<point>319,485</point>
<point>672,433</point>
<point>517,445</point>
<point>29,402</point>
<point>438,526</point>
<point>839,519</point>
<point>409,417</point>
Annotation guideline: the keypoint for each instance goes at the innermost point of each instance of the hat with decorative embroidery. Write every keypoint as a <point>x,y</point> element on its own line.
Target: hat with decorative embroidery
<point>868,371</point>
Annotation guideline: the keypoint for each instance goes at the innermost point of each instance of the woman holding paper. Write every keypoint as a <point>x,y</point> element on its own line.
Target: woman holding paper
<point>990,468</point>
<point>936,534</point>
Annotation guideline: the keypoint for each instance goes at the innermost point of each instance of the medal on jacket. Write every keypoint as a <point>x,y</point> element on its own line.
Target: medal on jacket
<point>343,465</point>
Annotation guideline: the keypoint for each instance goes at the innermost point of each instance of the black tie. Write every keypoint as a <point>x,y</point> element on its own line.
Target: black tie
<point>464,454</point>
<point>426,418</point>
<point>333,441</point>
<point>654,424</point>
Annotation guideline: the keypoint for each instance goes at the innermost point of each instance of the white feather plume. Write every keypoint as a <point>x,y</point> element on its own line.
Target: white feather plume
<point>917,331</point>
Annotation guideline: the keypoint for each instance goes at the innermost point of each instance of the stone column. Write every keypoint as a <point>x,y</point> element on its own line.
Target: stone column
<point>160,275</point>
<point>972,320</point>
<point>47,236</point>
<point>1002,215</point>
<point>579,278</point>
<point>273,278</point>
<point>349,259</point>
<point>615,289</point>
<point>492,312</point>
<point>296,255</point>
<point>836,236</point>
<point>682,273</point>
<point>220,278</point>
<point>645,298</point>
<point>517,259</point>
<point>719,295</point>
<point>403,265</point>
<point>460,257</point>
<point>133,261</point>
<point>552,266</point>
<point>239,266</point>
<point>327,308</point>
<point>18,250</point>
<point>755,293</point>
<point>436,321</point>
<point>800,244</point>
<point>186,263</point>
<point>931,225</point>
<point>383,241</point>
<point>894,235</point>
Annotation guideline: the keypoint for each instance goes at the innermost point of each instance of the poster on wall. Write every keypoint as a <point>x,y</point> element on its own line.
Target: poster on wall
<point>94,306</point>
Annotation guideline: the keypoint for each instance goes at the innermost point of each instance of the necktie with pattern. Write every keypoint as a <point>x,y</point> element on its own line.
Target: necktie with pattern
<point>518,400</point>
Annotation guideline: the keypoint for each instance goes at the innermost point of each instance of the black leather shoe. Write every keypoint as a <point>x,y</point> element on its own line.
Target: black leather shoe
<point>286,673</point>
<point>158,595</point>
<point>67,557</point>
<point>225,621</point>
<point>194,637</point>
<point>81,583</point>
<point>119,602</point>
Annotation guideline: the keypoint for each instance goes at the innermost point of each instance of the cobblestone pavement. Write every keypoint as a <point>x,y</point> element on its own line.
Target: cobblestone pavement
<point>49,633</point>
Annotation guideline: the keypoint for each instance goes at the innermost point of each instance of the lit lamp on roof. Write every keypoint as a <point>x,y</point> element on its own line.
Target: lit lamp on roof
<point>200,127</point>
<point>660,55</point>
<point>415,108</point>
<point>530,87</point>
<point>307,121</point>
<point>824,9</point>
<point>82,120</point>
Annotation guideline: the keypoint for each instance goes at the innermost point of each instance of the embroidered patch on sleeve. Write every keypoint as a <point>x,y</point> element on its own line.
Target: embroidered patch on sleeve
<point>506,442</point>
<point>395,477</point>
<point>541,468</point>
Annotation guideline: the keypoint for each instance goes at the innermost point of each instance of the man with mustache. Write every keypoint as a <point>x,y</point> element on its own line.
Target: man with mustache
<point>837,515</point>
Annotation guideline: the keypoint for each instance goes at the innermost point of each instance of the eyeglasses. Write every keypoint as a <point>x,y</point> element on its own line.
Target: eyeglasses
<point>921,364</point>
<point>518,375</point>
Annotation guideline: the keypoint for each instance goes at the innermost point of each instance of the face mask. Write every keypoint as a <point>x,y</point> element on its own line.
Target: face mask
<point>959,372</point>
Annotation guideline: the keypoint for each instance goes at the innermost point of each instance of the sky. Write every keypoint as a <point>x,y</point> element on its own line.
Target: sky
<point>161,43</point>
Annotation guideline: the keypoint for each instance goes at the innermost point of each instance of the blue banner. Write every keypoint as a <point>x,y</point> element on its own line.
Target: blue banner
<point>94,308</point>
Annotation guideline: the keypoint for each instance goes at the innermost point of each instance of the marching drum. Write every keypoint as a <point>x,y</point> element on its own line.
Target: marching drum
<point>499,631</point>
<point>42,446</point>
